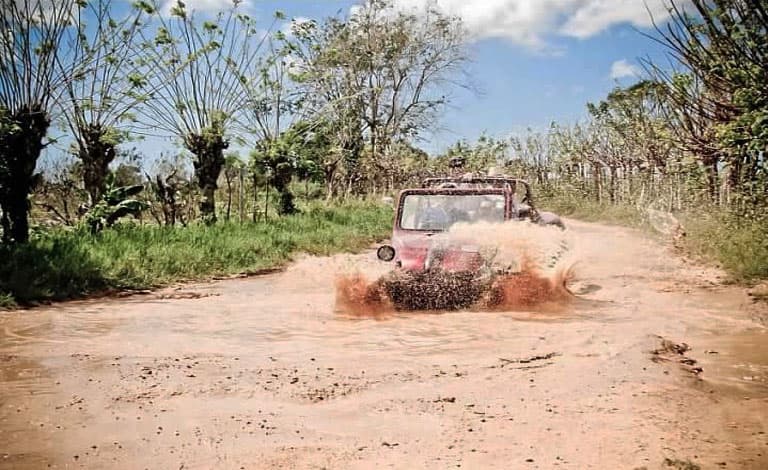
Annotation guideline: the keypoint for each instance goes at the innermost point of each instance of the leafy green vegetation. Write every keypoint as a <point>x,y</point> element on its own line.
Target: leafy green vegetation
<point>591,211</point>
<point>737,243</point>
<point>60,264</point>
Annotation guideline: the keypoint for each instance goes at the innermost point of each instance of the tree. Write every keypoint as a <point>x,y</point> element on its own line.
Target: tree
<point>280,160</point>
<point>59,193</point>
<point>285,141</point>
<point>272,106</point>
<point>332,90</point>
<point>721,97</point>
<point>98,99</point>
<point>407,60</point>
<point>197,71</point>
<point>32,35</point>
<point>233,165</point>
<point>382,74</point>
<point>168,188</point>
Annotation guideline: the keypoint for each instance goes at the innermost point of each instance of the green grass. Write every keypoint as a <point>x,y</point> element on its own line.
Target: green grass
<point>6,301</point>
<point>61,264</point>
<point>739,245</point>
<point>591,211</point>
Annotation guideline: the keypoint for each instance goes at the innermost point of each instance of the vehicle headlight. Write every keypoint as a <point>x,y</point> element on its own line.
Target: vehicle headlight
<point>386,253</point>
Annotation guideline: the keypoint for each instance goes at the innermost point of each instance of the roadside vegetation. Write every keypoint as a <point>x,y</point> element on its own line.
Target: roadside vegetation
<point>60,263</point>
<point>712,234</point>
<point>274,118</point>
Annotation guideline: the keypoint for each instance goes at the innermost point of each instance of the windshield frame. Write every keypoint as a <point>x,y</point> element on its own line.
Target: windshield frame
<point>447,192</point>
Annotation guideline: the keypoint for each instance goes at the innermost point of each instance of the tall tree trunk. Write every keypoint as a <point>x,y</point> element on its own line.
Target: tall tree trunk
<point>280,183</point>
<point>597,174</point>
<point>5,224</point>
<point>612,195</point>
<point>20,151</point>
<point>710,166</point>
<point>328,189</point>
<point>229,197</point>
<point>240,195</point>
<point>266,200</point>
<point>96,153</point>
<point>254,216</point>
<point>208,203</point>
<point>208,148</point>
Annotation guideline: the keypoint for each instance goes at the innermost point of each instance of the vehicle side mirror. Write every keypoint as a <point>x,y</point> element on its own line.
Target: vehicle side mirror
<point>385,253</point>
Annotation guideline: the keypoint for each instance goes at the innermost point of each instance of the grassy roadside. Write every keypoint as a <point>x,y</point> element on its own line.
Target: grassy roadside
<point>590,211</point>
<point>737,244</point>
<point>63,264</point>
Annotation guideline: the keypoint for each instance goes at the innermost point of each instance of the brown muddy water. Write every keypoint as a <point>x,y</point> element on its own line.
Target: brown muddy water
<point>524,267</point>
<point>265,373</point>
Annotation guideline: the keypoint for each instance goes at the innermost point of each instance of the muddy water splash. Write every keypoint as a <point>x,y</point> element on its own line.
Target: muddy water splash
<point>530,289</point>
<point>358,296</point>
<point>524,266</point>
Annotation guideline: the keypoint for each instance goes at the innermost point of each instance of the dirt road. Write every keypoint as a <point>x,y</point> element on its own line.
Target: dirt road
<point>261,373</point>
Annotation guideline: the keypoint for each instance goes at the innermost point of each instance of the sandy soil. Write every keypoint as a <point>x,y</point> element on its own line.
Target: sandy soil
<point>262,373</point>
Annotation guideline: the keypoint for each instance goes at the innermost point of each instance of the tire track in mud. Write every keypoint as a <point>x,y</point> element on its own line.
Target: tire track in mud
<point>143,381</point>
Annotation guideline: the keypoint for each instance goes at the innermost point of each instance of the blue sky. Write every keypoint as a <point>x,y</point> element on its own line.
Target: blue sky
<point>521,88</point>
<point>533,61</point>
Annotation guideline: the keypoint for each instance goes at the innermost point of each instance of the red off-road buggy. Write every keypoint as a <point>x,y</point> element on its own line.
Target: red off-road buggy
<point>433,276</point>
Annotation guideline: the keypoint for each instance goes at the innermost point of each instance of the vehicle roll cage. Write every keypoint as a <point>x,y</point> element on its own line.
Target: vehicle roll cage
<point>481,182</point>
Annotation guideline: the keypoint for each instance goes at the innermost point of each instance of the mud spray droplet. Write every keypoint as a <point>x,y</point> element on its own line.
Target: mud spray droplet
<point>530,289</point>
<point>517,266</point>
<point>357,296</point>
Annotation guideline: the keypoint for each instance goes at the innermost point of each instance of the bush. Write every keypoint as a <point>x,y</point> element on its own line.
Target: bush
<point>62,264</point>
<point>740,245</point>
<point>592,211</point>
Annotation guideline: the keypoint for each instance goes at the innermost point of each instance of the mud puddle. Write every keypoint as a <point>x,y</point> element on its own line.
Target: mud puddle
<point>512,266</point>
<point>264,373</point>
<point>738,362</point>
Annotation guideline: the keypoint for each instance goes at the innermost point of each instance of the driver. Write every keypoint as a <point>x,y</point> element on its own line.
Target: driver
<point>456,212</point>
<point>434,216</point>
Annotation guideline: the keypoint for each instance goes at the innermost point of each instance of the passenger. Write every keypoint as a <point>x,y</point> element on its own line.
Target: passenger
<point>456,213</point>
<point>490,211</point>
<point>485,211</point>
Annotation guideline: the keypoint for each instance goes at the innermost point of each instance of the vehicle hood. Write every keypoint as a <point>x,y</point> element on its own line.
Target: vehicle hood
<point>415,251</point>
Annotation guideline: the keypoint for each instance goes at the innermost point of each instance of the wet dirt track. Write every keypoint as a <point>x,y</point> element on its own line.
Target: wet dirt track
<point>261,373</point>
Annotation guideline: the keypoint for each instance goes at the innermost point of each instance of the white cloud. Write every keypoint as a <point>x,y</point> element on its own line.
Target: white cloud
<point>622,68</point>
<point>595,16</point>
<point>532,23</point>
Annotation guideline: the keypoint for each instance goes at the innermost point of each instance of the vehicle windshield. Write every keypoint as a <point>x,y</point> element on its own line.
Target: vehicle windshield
<point>440,211</point>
